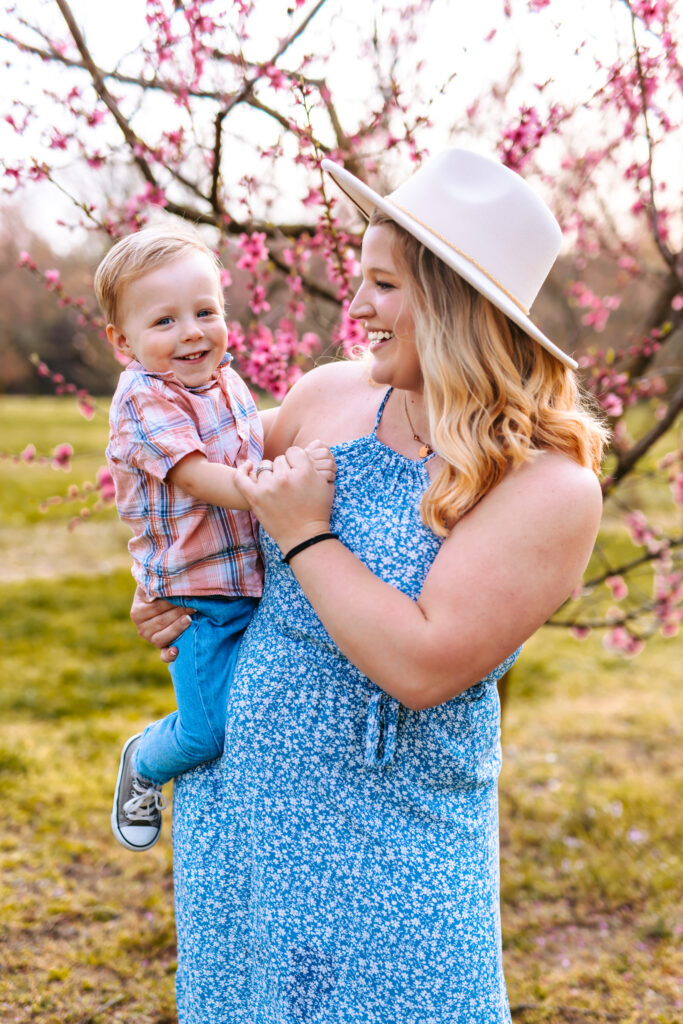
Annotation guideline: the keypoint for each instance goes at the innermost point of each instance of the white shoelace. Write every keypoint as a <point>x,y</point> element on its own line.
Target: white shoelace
<point>145,802</point>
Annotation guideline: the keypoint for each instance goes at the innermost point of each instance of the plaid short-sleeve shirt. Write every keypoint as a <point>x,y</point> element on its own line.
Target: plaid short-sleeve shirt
<point>183,546</point>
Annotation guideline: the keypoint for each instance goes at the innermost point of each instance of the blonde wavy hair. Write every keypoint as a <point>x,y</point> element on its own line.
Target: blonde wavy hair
<point>493,396</point>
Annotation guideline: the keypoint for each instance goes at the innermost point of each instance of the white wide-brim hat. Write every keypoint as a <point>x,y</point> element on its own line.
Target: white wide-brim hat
<point>480,218</point>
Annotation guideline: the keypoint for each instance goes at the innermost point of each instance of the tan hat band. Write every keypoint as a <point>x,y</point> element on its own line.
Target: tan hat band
<point>466,256</point>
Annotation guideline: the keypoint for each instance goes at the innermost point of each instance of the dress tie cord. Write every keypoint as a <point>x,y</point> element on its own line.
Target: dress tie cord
<point>381,726</point>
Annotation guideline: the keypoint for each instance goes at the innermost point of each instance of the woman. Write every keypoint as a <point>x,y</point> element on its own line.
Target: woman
<point>340,863</point>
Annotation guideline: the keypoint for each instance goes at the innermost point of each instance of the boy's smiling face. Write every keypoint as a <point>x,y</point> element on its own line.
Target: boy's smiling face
<point>171,319</point>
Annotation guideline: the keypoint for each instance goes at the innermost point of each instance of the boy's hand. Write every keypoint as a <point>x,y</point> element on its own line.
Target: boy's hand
<point>323,460</point>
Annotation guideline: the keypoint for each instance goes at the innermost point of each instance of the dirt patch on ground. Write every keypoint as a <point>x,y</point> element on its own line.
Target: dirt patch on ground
<point>48,550</point>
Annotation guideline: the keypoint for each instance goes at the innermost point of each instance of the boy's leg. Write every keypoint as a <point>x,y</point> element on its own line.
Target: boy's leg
<point>202,674</point>
<point>138,803</point>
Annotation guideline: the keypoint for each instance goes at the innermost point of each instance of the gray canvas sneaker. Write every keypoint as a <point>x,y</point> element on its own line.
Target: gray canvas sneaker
<point>138,803</point>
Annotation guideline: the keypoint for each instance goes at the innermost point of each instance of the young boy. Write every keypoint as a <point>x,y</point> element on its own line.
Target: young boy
<point>181,420</point>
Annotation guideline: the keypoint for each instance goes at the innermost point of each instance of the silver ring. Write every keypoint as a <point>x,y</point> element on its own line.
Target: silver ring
<point>263,467</point>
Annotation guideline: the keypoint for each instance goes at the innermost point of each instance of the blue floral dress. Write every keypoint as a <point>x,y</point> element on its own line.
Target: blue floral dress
<point>339,863</point>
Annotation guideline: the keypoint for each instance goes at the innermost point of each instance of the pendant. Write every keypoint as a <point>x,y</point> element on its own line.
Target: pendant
<point>424,451</point>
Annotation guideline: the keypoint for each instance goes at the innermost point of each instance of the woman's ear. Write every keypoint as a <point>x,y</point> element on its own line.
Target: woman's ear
<point>118,340</point>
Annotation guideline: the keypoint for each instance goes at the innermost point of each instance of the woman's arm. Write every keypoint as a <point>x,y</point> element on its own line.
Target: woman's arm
<point>159,622</point>
<point>268,421</point>
<point>502,572</point>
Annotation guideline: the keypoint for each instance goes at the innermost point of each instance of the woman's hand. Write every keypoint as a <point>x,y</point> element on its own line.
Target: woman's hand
<point>292,501</point>
<point>159,622</point>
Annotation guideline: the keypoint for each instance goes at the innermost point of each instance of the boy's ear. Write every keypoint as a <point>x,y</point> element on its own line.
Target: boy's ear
<point>118,340</point>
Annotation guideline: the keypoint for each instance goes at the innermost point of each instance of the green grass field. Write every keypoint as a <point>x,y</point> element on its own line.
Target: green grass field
<point>590,791</point>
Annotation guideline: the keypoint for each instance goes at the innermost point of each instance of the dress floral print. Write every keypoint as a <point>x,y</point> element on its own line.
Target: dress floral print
<point>339,863</point>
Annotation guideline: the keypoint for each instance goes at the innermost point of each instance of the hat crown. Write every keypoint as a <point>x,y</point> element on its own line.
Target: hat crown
<point>486,213</point>
<point>482,220</point>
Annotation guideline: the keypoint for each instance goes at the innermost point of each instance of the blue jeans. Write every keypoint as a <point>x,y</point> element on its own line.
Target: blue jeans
<point>202,674</point>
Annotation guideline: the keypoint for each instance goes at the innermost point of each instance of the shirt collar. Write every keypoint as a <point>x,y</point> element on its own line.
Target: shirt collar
<point>170,378</point>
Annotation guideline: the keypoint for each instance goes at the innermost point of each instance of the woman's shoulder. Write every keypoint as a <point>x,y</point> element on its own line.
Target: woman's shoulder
<point>337,377</point>
<point>327,387</point>
<point>552,491</point>
<point>331,403</point>
<point>564,475</point>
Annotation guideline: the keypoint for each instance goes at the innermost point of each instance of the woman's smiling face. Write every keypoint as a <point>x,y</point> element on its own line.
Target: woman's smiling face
<point>382,302</point>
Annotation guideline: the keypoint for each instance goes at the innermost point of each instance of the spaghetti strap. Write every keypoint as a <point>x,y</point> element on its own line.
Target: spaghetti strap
<point>381,409</point>
<point>424,459</point>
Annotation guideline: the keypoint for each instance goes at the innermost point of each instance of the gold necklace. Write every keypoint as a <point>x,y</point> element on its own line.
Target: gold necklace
<point>425,449</point>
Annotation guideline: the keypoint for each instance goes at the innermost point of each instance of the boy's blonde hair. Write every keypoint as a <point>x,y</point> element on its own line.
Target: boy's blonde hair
<point>493,396</point>
<point>138,254</point>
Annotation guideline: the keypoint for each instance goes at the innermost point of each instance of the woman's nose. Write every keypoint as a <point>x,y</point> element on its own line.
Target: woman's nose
<point>360,308</point>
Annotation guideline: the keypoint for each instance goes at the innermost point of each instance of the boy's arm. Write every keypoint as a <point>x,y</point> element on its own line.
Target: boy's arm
<point>323,460</point>
<point>209,481</point>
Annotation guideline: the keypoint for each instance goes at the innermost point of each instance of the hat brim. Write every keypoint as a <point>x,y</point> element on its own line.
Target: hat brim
<point>367,200</point>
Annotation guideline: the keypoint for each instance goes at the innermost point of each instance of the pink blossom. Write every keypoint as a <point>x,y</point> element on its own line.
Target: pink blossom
<point>58,140</point>
<point>51,278</point>
<point>630,265</point>
<point>26,261</point>
<point>105,484</point>
<point>275,76</point>
<point>61,457</point>
<point>254,249</point>
<point>258,301</point>
<point>349,334</point>
<point>313,198</point>
<point>310,343</point>
<point>226,278</point>
<point>612,405</point>
<point>642,533</point>
<point>96,117</point>
<point>297,310</point>
<point>617,586</point>
<point>650,11</point>
<point>95,159</point>
<point>620,641</point>
<point>29,453</point>
<point>525,133</point>
<point>677,488</point>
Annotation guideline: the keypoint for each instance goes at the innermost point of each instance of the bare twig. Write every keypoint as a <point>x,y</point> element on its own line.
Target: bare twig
<point>104,94</point>
<point>90,1017</point>
<point>668,544</point>
<point>628,459</point>
<point>245,91</point>
<point>664,250</point>
<point>153,83</point>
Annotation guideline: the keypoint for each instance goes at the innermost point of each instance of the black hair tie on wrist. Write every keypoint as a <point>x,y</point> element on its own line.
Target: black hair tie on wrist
<point>307,544</point>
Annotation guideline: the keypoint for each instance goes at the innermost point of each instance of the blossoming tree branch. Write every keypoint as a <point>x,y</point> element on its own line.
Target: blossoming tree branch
<point>221,116</point>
